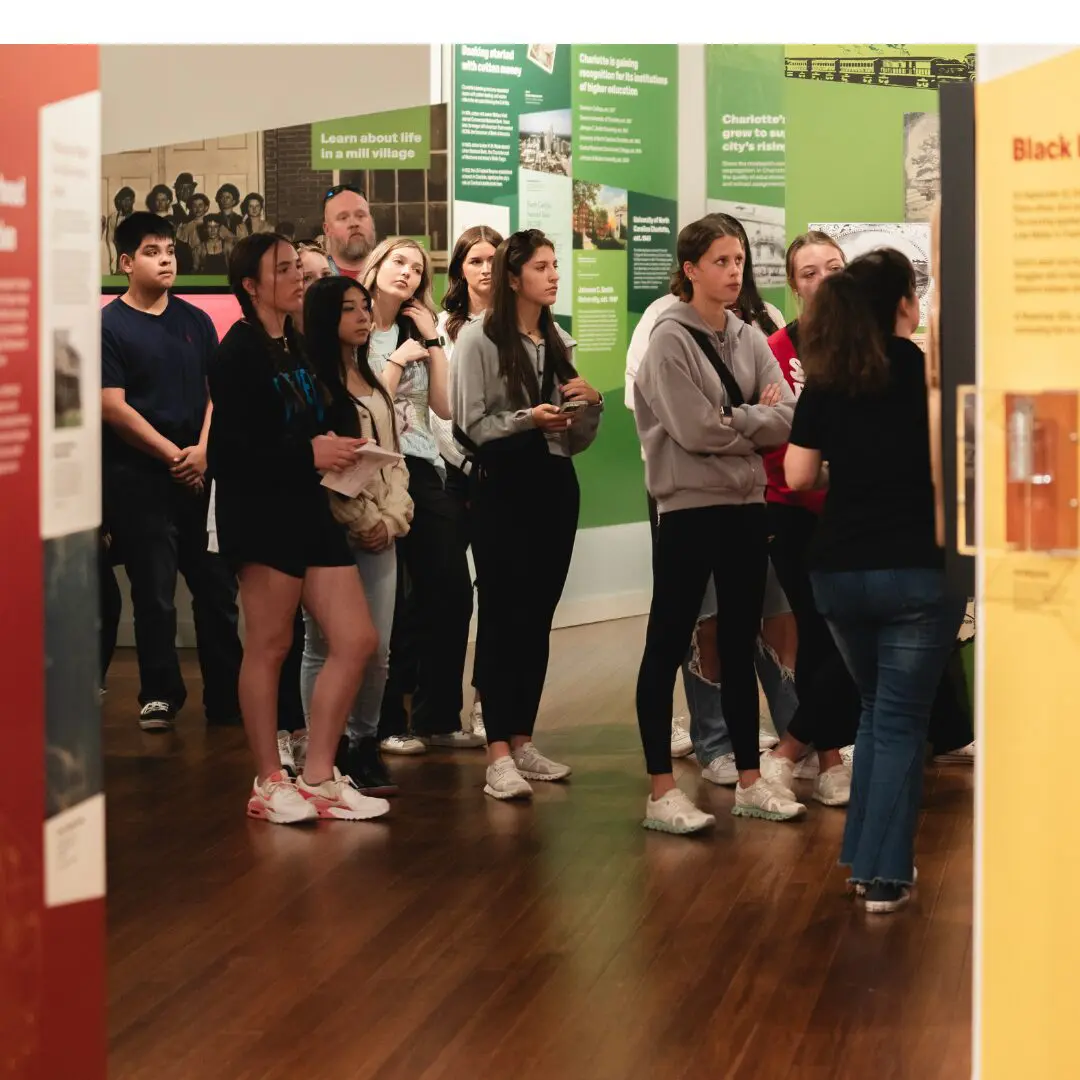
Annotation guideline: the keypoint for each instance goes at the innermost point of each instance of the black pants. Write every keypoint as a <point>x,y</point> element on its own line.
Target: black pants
<point>950,718</point>
<point>434,608</point>
<point>290,706</point>
<point>160,530</point>
<point>524,521</point>
<point>459,488</point>
<point>729,542</point>
<point>828,711</point>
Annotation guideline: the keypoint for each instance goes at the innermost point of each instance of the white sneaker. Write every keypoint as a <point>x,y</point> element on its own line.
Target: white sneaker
<point>964,755</point>
<point>766,740</point>
<point>808,768</point>
<point>847,755</point>
<point>673,812</point>
<point>339,798</point>
<point>277,800</point>
<point>534,766</point>
<point>456,740</point>
<point>721,770</point>
<point>833,786</point>
<point>503,781</point>
<point>681,743</point>
<point>779,772</point>
<point>285,752</point>
<point>765,800</point>
<point>402,744</point>
<point>476,716</point>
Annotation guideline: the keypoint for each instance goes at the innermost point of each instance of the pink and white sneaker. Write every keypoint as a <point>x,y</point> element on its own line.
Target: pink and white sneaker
<point>277,800</point>
<point>340,799</point>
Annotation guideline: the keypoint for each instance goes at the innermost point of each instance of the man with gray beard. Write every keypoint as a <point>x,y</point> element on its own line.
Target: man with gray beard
<point>349,229</point>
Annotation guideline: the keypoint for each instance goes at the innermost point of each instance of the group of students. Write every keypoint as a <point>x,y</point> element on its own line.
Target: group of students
<point>742,434</point>
<point>354,601</point>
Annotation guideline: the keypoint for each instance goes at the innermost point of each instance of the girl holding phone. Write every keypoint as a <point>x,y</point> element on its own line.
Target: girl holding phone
<point>523,411</point>
<point>270,438</point>
<point>434,605</point>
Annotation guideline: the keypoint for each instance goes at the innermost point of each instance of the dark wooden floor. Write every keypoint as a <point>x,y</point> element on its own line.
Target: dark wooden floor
<point>463,939</point>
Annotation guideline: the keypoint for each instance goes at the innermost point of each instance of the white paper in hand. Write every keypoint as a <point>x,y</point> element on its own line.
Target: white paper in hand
<point>370,458</point>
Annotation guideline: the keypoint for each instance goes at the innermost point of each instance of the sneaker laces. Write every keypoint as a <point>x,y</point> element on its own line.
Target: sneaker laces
<point>155,706</point>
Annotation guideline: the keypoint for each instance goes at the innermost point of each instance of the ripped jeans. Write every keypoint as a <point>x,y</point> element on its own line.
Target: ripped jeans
<point>708,730</point>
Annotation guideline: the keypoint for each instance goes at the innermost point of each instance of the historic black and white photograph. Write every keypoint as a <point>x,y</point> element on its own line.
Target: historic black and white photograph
<point>764,227</point>
<point>922,164</point>
<point>67,381</point>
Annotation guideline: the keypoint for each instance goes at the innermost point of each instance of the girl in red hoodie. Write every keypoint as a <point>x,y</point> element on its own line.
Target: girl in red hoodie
<point>828,711</point>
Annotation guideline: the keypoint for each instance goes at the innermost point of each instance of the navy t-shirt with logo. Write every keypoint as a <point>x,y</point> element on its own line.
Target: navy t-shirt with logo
<point>160,362</point>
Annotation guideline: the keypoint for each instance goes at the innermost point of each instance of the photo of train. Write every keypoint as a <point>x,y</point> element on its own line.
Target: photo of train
<point>919,72</point>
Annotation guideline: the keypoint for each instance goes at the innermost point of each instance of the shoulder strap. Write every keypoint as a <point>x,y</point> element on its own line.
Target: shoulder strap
<point>731,384</point>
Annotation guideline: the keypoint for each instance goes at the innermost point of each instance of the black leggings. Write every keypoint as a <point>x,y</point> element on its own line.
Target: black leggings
<point>524,521</point>
<point>828,712</point>
<point>731,543</point>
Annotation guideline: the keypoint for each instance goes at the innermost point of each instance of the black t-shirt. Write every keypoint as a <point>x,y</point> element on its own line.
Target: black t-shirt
<point>267,409</point>
<point>879,511</point>
<point>160,362</point>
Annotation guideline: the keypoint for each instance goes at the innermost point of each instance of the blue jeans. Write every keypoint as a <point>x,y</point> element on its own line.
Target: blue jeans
<point>378,570</point>
<point>708,729</point>
<point>895,630</point>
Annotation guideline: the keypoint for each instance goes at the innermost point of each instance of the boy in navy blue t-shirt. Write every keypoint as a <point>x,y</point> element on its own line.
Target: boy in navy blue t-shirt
<point>156,410</point>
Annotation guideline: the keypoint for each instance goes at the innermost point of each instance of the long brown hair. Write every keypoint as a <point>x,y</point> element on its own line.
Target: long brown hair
<point>456,300</point>
<point>423,290</point>
<point>501,322</point>
<point>845,332</point>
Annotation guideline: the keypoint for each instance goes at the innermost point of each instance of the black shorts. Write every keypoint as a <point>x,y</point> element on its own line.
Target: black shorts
<point>294,555</point>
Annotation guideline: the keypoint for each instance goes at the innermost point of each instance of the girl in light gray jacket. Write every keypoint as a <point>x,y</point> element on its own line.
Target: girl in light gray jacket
<point>523,411</point>
<point>708,398</point>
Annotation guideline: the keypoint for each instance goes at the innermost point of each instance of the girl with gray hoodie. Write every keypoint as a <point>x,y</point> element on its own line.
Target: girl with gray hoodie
<point>709,398</point>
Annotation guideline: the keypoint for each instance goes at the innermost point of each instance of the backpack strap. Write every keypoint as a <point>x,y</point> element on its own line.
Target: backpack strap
<point>727,377</point>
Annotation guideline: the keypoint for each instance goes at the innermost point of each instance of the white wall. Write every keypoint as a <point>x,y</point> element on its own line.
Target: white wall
<point>160,94</point>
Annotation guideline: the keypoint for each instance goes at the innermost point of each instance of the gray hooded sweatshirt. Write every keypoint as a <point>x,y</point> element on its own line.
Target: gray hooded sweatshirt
<point>693,456</point>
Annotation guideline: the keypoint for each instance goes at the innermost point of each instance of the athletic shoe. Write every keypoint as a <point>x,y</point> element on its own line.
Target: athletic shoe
<point>277,800</point>
<point>847,755</point>
<point>673,812</point>
<point>534,766</point>
<point>503,781</point>
<point>962,755</point>
<point>681,743</point>
<point>780,772</point>
<point>883,898</point>
<point>833,786</point>
<point>766,740</point>
<point>338,798</point>
<point>721,770</point>
<point>476,717</point>
<point>808,768</point>
<point>764,800</point>
<point>860,890</point>
<point>156,716</point>
<point>285,752</point>
<point>363,764</point>
<point>403,744</point>
<point>455,740</point>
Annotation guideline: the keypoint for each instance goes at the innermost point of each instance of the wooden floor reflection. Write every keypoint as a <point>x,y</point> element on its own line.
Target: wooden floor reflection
<point>463,939</point>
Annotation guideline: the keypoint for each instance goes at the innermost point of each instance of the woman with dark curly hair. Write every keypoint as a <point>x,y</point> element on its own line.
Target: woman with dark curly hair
<point>228,198</point>
<point>253,208</point>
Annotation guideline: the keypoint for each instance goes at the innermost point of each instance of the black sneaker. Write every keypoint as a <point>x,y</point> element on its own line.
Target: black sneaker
<point>364,764</point>
<point>884,897</point>
<point>157,716</point>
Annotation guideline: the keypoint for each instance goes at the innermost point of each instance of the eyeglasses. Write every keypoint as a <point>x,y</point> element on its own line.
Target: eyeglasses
<point>337,189</point>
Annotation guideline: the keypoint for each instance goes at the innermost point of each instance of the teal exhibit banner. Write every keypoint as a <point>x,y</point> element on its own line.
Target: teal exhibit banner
<point>580,141</point>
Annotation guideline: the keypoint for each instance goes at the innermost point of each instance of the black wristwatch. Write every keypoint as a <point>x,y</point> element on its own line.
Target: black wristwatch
<point>430,343</point>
